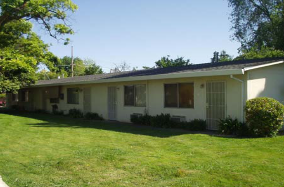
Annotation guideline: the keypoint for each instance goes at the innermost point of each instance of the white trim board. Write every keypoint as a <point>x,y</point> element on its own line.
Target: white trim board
<point>263,65</point>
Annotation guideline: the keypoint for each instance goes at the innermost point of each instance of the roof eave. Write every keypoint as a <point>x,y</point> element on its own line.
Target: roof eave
<point>263,65</point>
<point>153,77</point>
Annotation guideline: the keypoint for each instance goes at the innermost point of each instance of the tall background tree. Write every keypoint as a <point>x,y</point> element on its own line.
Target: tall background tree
<point>166,61</point>
<point>21,50</point>
<point>258,24</point>
<point>91,67</point>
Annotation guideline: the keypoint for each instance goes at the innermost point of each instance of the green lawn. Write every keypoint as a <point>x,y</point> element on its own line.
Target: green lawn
<point>42,150</point>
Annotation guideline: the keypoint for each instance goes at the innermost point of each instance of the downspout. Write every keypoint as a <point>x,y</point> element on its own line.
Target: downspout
<point>242,97</point>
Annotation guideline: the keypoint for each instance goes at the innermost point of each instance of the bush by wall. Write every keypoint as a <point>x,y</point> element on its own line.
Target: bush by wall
<point>93,116</point>
<point>76,113</point>
<point>164,121</point>
<point>264,116</point>
<point>231,126</point>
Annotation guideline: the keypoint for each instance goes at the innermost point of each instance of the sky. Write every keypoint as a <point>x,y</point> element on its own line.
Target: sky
<point>141,32</point>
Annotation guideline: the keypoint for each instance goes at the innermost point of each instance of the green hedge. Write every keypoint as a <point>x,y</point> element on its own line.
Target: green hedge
<point>164,121</point>
<point>264,116</point>
<point>231,126</point>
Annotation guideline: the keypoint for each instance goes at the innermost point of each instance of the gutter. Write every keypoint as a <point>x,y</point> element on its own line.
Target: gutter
<point>152,77</point>
<point>242,97</point>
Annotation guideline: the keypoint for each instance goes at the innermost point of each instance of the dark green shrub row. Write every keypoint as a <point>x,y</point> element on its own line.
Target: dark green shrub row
<point>231,126</point>
<point>93,116</point>
<point>76,113</point>
<point>164,121</point>
<point>264,116</point>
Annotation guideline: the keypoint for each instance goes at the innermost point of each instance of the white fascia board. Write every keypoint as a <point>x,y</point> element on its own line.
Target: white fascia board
<point>154,77</point>
<point>263,65</point>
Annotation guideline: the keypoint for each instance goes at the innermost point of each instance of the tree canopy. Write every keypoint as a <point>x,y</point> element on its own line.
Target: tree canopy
<point>91,67</point>
<point>258,23</point>
<point>264,52</point>
<point>166,61</point>
<point>22,50</point>
<point>51,14</point>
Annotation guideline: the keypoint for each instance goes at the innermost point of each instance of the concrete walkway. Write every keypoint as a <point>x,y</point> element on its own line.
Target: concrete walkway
<point>2,183</point>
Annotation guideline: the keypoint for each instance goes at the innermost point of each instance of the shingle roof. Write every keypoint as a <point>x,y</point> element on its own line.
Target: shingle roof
<point>159,71</point>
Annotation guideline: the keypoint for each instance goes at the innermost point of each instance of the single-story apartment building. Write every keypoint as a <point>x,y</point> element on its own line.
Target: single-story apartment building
<point>209,91</point>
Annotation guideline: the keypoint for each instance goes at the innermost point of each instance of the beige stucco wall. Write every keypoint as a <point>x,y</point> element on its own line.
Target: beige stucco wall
<point>266,82</point>
<point>154,98</point>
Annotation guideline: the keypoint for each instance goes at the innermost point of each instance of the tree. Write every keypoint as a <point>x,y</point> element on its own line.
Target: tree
<point>264,52</point>
<point>51,14</point>
<point>258,23</point>
<point>91,67</point>
<point>224,56</point>
<point>121,67</point>
<point>65,64</point>
<point>167,62</point>
<point>21,50</point>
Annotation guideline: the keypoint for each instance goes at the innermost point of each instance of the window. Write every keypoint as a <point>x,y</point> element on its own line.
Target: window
<point>15,97</point>
<point>54,100</point>
<point>24,96</point>
<point>179,95</point>
<point>135,95</point>
<point>72,96</point>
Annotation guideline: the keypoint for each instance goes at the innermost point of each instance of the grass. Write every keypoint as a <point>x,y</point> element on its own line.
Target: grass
<point>41,150</point>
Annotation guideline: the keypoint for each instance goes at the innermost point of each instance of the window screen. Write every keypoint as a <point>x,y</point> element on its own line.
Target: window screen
<point>72,95</point>
<point>135,95</point>
<point>129,95</point>
<point>179,95</point>
<point>171,96</point>
<point>140,95</point>
<point>186,99</point>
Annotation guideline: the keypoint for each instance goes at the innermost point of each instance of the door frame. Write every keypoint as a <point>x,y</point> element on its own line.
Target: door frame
<point>90,101</point>
<point>225,90</point>
<point>114,118</point>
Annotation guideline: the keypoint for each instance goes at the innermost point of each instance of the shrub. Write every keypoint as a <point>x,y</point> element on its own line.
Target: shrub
<point>194,125</point>
<point>264,116</point>
<point>76,113</point>
<point>231,126</point>
<point>164,121</point>
<point>93,116</point>
<point>58,112</point>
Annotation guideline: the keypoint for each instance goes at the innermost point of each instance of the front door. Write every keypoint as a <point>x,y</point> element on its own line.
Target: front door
<point>112,103</point>
<point>87,100</point>
<point>215,103</point>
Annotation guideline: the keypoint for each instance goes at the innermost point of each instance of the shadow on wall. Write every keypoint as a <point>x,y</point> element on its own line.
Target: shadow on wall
<point>53,121</point>
<point>268,83</point>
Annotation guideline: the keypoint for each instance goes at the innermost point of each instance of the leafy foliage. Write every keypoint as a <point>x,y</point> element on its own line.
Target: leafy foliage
<point>224,56</point>
<point>168,62</point>
<point>65,64</point>
<point>231,126</point>
<point>51,14</point>
<point>263,52</point>
<point>93,116</point>
<point>258,22</point>
<point>21,50</point>
<point>75,113</point>
<point>91,67</point>
<point>264,116</point>
<point>164,121</point>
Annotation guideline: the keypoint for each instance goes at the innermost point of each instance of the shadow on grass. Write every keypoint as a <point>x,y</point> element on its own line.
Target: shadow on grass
<point>50,120</point>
